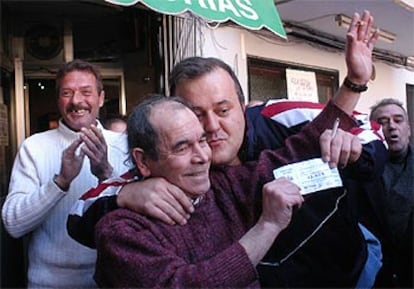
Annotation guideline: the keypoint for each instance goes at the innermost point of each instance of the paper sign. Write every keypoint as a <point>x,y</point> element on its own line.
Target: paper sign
<point>311,175</point>
<point>301,85</point>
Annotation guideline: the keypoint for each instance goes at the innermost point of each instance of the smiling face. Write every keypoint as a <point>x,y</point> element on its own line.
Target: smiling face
<point>395,127</point>
<point>184,155</point>
<point>215,101</point>
<point>79,100</point>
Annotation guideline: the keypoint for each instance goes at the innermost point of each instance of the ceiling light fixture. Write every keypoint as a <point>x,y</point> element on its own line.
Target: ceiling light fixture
<point>345,21</point>
<point>407,4</point>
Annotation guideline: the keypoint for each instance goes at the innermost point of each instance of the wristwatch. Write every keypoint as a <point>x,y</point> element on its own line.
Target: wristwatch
<point>355,87</point>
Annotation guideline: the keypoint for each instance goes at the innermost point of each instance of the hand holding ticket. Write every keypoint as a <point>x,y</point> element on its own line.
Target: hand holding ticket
<point>311,175</point>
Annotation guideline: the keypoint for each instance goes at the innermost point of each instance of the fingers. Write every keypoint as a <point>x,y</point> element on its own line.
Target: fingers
<point>279,198</point>
<point>373,39</point>
<point>362,29</point>
<point>71,162</point>
<point>331,147</point>
<point>364,26</point>
<point>174,205</point>
<point>169,214</point>
<point>340,150</point>
<point>98,134</point>
<point>180,201</point>
<point>367,33</point>
<point>163,215</point>
<point>71,149</point>
<point>95,146</point>
<point>356,150</point>
<point>157,198</point>
<point>70,154</point>
<point>285,191</point>
<point>325,145</point>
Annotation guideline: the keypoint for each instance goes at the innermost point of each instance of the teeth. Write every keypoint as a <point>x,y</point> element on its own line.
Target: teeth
<point>78,110</point>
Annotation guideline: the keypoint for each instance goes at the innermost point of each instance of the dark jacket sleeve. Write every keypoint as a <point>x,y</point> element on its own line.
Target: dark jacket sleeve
<point>82,228</point>
<point>93,205</point>
<point>266,133</point>
<point>370,164</point>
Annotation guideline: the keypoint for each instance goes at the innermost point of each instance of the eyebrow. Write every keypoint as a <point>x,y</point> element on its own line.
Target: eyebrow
<point>82,87</point>
<point>221,102</point>
<point>225,101</point>
<point>187,141</point>
<point>391,116</point>
<point>394,116</point>
<point>86,86</point>
<point>180,143</point>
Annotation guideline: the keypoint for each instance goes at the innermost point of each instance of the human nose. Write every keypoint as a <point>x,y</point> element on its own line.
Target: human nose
<point>211,123</point>
<point>390,125</point>
<point>77,96</point>
<point>201,153</point>
<point>393,123</point>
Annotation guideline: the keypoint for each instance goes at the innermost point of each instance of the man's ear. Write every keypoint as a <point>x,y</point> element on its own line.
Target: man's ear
<point>141,162</point>
<point>102,98</point>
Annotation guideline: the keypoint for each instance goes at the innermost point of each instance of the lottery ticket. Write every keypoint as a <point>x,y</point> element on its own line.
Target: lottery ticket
<point>311,175</point>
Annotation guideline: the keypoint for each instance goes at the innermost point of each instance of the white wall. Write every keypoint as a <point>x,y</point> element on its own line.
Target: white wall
<point>226,43</point>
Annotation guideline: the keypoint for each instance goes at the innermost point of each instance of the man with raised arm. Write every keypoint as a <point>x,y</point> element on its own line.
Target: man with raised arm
<point>233,225</point>
<point>212,89</point>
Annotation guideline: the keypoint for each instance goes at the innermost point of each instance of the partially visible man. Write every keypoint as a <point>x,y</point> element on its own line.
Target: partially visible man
<point>50,172</point>
<point>116,123</point>
<point>228,233</point>
<point>393,201</point>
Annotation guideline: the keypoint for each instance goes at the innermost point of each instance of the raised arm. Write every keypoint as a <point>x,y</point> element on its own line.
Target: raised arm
<point>358,56</point>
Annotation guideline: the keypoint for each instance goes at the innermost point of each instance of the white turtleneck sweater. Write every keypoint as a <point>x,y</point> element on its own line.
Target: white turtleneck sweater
<point>36,206</point>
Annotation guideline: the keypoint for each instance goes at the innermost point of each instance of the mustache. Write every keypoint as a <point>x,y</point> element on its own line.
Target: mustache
<point>215,136</point>
<point>77,107</point>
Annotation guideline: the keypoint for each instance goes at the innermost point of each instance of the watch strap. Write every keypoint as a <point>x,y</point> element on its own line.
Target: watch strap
<point>355,87</point>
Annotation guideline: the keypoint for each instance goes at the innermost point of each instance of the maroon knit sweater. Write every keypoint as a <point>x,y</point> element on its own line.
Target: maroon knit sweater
<point>136,251</point>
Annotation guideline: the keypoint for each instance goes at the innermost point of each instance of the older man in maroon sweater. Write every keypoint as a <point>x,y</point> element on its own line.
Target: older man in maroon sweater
<point>228,234</point>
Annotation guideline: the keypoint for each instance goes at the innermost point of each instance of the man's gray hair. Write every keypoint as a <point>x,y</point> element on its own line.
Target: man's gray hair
<point>384,102</point>
<point>140,130</point>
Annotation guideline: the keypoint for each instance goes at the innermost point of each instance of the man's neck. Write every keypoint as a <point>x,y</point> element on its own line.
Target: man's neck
<point>399,156</point>
<point>77,130</point>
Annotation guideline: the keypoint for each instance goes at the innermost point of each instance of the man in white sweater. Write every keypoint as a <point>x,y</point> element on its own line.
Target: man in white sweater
<point>51,171</point>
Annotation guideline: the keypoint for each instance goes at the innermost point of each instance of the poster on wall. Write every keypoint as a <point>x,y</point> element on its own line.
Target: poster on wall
<point>4,126</point>
<point>301,85</point>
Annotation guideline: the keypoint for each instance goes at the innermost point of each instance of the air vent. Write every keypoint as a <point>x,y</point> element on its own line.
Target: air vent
<point>43,42</point>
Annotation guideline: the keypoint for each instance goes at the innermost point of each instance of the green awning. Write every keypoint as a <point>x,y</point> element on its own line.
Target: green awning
<point>251,14</point>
